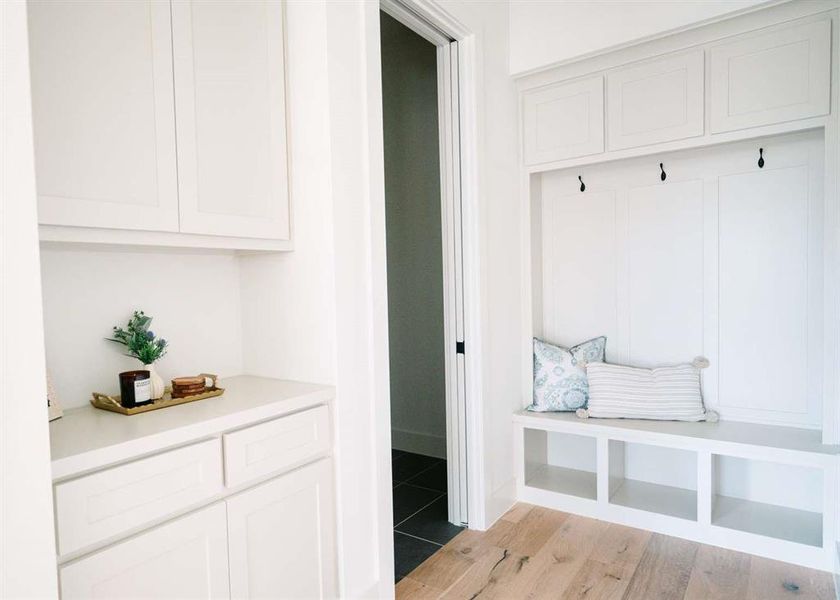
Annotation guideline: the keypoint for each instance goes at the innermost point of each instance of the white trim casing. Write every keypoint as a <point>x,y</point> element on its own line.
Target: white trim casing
<point>434,20</point>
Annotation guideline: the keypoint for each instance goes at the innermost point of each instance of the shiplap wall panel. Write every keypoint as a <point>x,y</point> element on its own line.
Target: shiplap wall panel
<point>763,296</point>
<point>579,263</point>
<point>723,259</point>
<point>665,275</point>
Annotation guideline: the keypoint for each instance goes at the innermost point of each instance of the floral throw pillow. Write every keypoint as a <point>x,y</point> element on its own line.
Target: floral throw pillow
<point>560,382</point>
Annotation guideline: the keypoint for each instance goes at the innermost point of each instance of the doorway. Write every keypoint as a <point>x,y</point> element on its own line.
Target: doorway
<point>425,285</point>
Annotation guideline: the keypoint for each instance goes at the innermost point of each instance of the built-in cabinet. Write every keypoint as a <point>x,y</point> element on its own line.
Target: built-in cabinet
<point>754,80</point>
<point>770,78</point>
<point>108,80</point>
<point>232,499</point>
<point>705,224</point>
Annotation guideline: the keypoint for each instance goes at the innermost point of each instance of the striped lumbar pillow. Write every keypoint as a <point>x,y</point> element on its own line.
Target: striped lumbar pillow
<point>663,393</point>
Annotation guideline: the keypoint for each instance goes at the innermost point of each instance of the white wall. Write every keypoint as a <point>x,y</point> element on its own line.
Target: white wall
<point>414,240</point>
<point>27,538</point>
<point>543,33</point>
<point>193,297</point>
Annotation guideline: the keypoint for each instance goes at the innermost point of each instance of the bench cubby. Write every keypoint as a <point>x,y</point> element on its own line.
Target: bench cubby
<point>763,489</point>
<point>775,500</point>
<point>655,479</point>
<point>560,463</point>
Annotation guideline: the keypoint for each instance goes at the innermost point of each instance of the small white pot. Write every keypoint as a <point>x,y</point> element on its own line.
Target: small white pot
<point>156,380</point>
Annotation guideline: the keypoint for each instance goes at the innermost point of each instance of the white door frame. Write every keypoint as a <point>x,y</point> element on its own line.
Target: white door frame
<point>459,221</point>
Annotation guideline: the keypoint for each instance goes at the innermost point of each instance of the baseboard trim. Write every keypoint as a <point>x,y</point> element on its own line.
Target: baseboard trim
<point>418,443</point>
<point>500,501</point>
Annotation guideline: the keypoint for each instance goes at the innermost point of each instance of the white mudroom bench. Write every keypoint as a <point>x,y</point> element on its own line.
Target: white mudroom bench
<point>737,487</point>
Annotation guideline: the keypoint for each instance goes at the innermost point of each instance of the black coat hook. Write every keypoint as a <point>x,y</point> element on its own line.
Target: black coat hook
<point>582,185</point>
<point>663,175</point>
<point>761,158</point>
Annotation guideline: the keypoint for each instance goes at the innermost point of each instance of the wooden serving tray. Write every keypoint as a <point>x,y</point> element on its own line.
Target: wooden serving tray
<point>112,403</point>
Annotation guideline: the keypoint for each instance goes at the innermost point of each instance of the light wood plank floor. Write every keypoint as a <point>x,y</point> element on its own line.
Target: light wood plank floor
<point>534,552</point>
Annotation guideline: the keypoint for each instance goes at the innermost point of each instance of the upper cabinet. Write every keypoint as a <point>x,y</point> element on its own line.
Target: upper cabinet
<point>722,82</point>
<point>658,101</point>
<point>103,112</point>
<point>109,79</point>
<point>563,121</point>
<point>771,78</point>
<point>229,97</point>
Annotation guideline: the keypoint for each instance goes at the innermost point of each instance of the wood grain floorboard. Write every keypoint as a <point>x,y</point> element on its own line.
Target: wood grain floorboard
<point>719,574</point>
<point>535,553</point>
<point>664,569</point>
<point>773,580</point>
<point>610,567</point>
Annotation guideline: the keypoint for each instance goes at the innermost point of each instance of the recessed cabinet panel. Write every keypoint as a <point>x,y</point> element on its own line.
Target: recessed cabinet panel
<point>230,87</point>
<point>656,102</point>
<point>281,537</point>
<point>771,78</point>
<point>564,121</point>
<point>103,114</point>
<point>187,558</point>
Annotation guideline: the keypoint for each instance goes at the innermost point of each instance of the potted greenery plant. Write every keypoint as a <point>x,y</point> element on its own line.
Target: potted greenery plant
<point>144,346</point>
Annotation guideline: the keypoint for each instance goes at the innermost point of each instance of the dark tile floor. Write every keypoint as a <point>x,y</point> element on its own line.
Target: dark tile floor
<point>421,526</point>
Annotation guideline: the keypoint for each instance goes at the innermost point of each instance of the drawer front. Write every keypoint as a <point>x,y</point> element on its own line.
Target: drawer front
<point>273,446</point>
<point>104,504</point>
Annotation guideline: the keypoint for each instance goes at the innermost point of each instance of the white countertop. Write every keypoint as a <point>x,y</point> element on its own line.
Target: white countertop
<point>88,438</point>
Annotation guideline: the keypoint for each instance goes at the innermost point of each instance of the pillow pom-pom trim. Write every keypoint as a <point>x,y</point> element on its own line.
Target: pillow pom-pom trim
<point>701,362</point>
<point>582,413</point>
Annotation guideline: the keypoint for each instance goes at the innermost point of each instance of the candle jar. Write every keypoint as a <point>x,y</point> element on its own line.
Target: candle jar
<point>135,388</point>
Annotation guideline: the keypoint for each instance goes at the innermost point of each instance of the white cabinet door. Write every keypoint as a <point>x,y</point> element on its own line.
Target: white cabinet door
<point>655,102</point>
<point>771,78</point>
<point>186,558</point>
<point>281,537</point>
<point>563,121</point>
<point>230,98</point>
<point>103,113</point>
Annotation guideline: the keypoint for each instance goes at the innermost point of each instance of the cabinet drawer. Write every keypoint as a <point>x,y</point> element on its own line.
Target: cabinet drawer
<point>104,504</point>
<point>563,121</point>
<point>270,447</point>
<point>770,78</point>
